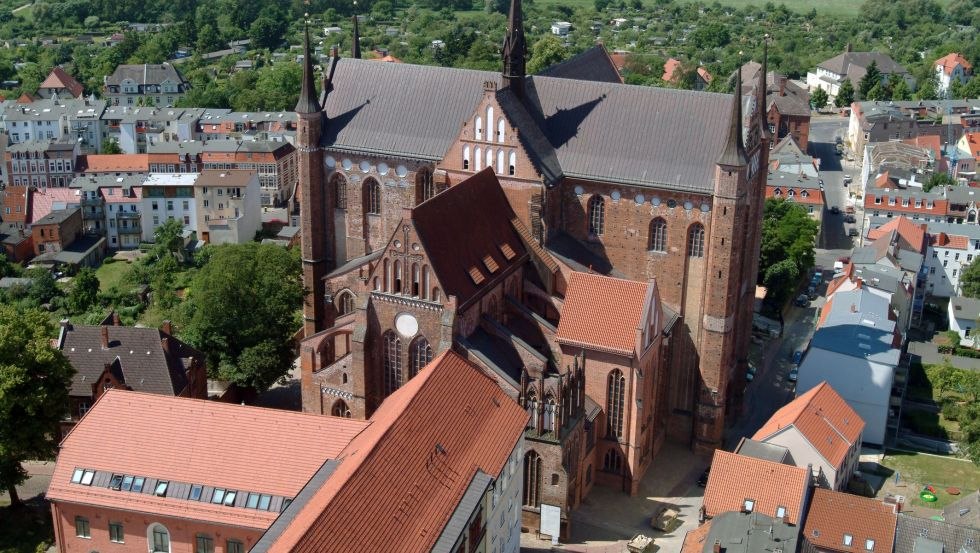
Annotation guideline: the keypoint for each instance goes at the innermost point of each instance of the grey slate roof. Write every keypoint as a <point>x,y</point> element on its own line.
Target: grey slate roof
<point>858,326</point>
<point>146,367</point>
<point>615,133</point>
<point>593,64</point>
<point>855,65</point>
<point>56,217</point>
<point>966,511</point>
<point>764,451</point>
<point>184,147</point>
<point>750,533</point>
<point>152,74</point>
<point>75,253</point>
<point>954,538</point>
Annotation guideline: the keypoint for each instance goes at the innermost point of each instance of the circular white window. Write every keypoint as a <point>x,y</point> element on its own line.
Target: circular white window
<point>401,170</point>
<point>688,206</point>
<point>579,190</point>
<point>705,208</point>
<point>365,166</point>
<point>416,247</point>
<point>331,162</point>
<point>406,324</point>
<point>347,164</point>
<point>383,168</point>
<point>639,199</point>
<point>655,201</point>
<point>398,243</point>
<point>615,195</point>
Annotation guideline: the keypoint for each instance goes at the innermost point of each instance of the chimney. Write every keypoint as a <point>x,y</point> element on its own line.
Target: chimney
<point>167,327</point>
<point>716,548</point>
<point>782,85</point>
<point>104,330</point>
<point>115,319</point>
<point>333,51</point>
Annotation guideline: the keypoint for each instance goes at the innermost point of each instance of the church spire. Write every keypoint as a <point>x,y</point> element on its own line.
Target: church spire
<point>515,49</point>
<point>734,153</point>
<point>307,94</point>
<point>356,46</point>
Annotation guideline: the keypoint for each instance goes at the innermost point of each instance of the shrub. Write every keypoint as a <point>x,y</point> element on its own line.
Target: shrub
<point>951,411</point>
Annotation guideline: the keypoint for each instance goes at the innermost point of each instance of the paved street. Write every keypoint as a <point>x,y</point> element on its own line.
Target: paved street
<point>823,131</point>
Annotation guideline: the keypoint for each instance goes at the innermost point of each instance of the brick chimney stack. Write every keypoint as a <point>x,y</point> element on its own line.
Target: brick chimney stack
<point>105,336</point>
<point>782,85</point>
<point>167,328</point>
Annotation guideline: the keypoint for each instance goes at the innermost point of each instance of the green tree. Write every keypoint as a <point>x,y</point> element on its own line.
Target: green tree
<point>545,53</point>
<point>43,286</point>
<point>928,89</point>
<point>901,90</point>
<point>111,146</point>
<point>84,291</point>
<point>786,252</point>
<point>247,341</point>
<point>168,238</point>
<point>877,93</point>
<point>970,384</point>
<point>869,80</point>
<point>944,377</point>
<point>6,269</point>
<point>970,280</point>
<point>163,281</point>
<point>818,99</point>
<point>938,180</point>
<point>266,32</point>
<point>845,94</point>
<point>34,382</point>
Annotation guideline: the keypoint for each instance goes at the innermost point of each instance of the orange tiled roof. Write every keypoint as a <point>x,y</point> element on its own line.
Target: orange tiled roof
<point>424,446</point>
<point>973,142</point>
<point>952,241</point>
<point>929,141</point>
<point>121,163</point>
<point>705,75</point>
<point>42,202</point>
<point>670,67</point>
<point>833,514</point>
<point>823,418</point>
<point>58,78</point>
<point>694,540</point>
<point>950,61</point>
<point>913,234</point>
<point>190,440</point>
<point>735,478</point>
<point>603,313</point>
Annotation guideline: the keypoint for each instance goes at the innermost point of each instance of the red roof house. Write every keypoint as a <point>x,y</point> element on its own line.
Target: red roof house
<point>840,522</point>
<point>741,483</point>
<point>61,83</point>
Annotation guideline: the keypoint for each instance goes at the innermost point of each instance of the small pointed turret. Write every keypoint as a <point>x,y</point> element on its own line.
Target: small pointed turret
<point>734,153</point>
<point>307,102</point>
<point>515,50</point>
<point>356,45</point>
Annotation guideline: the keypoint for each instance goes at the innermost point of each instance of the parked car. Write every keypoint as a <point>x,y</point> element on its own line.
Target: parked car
<point>794,375</point>
<point>853,232</point>
<point>811,292</point>
<point>797,357</point>
<point>847,179</point>
<point>835,210</point>
<point>802,301</point>
<point>849,219</point>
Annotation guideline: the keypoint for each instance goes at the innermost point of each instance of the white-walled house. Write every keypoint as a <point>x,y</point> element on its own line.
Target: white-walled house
<point>168,196</point>
<point>950,68</point>
<point>856,351</point>
<point>951,248</point>
<point>963,316</point>
<point>853,66</point>
<point>229,210</point>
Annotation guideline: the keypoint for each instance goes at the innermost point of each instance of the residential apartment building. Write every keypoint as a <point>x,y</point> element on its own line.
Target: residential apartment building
<point>136,128</point>
<point>79,120</point>
<point>463,480</point>
<point>844,523</point>
<point>56,231</point>
<point>853,66</point>
<point>114,165</point>
<point>48,163</point>
<point>963,314</point>
<point>793,175</point>
<point>967,155</point>
<point>168,196</point>
<point>275,163</point>
<point>176,157</point>
<point>145,85</point>
<point>228,208</point>
<point>952,68</point>
<point>902,120</point>
<point>110,356</point>
<point>275,125</point>
<point>111,207</point>
<point>951,248</point>
<point>740,483</point>
<point>821,432</point>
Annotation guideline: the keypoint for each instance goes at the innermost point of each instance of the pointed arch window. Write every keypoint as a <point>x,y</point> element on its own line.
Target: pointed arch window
<point>424,185</point>
<point>478,157</point>
<point>531,404</point>
<point>339,185</point>
<point>479,129</point>
<point>392,363</point>
<point>489,124</point>
<point>421,354</point>
<point>695,241</point>
<point>500,162</point>
<point>500,129</point>
<point>597,215</point>
<point>490,158</point>
<point>345,302</point>
<point>615,400</point>
<point>532,479</point>
<point>416,285</point>
<point>612,462</point>
<point>550,412</point>
<point>466,157</point>
<point>340,409</point>
<point>398,277</point>
<point>658,235</point>
<point>372,197</point>
<point>512,163</point>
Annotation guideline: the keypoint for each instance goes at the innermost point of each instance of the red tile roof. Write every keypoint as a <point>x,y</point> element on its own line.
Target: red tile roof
<point>196,441</point>
<point>42,202</point>
<point>463,225</point>
<point>914,235</point>
<point>670,67</point>
<point>833,514</point>
<point>117,163</point>
<point>950,61</point>
<point>705,75</point>
<point>823,418</point>
<point>117,197</point>
<point>735,478</point>
<point>952,241</point>
<point>58,78</point>
<point>694,540</point>
<point>615,326</point>
<point>424,446</point>
<point>973,142</point>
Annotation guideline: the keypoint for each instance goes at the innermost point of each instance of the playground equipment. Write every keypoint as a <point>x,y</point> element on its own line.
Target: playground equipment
<point>928,494</point>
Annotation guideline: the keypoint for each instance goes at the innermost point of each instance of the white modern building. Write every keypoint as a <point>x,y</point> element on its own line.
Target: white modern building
<point>56,118</point>
<point>168,196</point>
<point>951,248</point>
<point>229,210</point>
<point>856,350</point>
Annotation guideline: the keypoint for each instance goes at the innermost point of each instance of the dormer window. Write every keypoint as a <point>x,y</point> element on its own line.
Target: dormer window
<point>777,192</point>
<point>780,512</point>
<point>848,540</point>
<point>877,200</point>
<point>869,545</point>
<point>748,505</point>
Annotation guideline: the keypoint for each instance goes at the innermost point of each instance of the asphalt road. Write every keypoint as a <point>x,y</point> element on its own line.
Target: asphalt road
<point>823,132</point>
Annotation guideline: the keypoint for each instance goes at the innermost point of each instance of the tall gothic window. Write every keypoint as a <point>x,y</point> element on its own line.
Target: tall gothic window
<point>695,241</point>
<point>612,461</point>
<point>339,184</point>
<point>614,403</point>
<point>532,479</point>
<point>597,215</point>
<point>550,412</point>
<point>420,353</point>
<point>340,409</point>
<point>392,363</point>
<point>531,404</point>
<point>425,187</point>
<point>372,196</point>
<point>345,303</point>
<point>658,235</point>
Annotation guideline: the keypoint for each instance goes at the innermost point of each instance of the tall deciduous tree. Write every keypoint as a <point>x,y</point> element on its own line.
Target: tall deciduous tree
<point>242,309</point>
<point>845,94</point>
<point>545,53</point>
<point>786,251</point>
<point>34,382</point>
<point>970,280</point>
<point>944,376</point>
<point>84,291</point>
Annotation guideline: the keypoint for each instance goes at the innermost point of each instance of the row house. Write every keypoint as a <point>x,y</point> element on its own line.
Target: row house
<point>881,121</point>
<point>795,176</point>
<point>54,118</point>
<point>275,163</point>
<point>894,261</point>
<point>110,207</point>
<point>913,203</point>
<point>175,157</point>
<point>168,196</point>
<point>239,124</point>
<point>134,128</point>
<point>146,84</point>
<point>228,206</point>
<point>48,163</point>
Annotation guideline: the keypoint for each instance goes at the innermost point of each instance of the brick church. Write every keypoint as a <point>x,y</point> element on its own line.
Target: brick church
<point>592,245</point>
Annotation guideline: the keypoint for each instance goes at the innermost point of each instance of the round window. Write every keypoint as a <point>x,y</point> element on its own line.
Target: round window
<point>383,168</point>
<point>365,166</point>
<point>406,324</point>
<point>401,170</point>
<point>639,199</point>
<point>347,164</point>
<point>579,190</point>
<point>331,162</point>
<point>615,195</point>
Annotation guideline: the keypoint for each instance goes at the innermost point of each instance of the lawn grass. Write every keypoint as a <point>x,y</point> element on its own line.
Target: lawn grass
<point>110,274</point>
<point>920,469</point>
<point>24,528</point>
<point>931,424</point>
